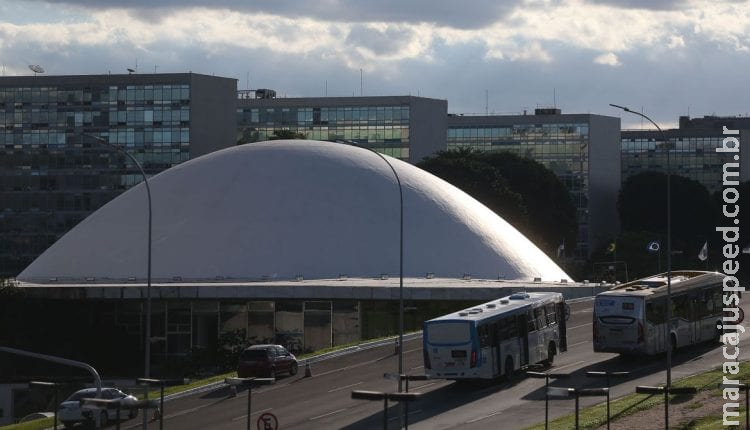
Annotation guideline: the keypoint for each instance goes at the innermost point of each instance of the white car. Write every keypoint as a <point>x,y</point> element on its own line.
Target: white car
<point>70,411</point>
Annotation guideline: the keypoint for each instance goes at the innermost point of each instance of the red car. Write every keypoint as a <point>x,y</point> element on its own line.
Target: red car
<point>266,361</point>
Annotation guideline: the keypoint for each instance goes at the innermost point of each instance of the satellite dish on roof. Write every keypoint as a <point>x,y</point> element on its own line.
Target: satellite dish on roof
<point>36,68</point>
<point>130,70</point>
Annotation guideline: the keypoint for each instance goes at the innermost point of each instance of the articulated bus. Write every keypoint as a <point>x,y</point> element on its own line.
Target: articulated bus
<point>496,338</point>
<point>631,318</point>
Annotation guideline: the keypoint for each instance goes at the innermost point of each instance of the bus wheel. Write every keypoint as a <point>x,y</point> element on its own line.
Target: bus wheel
<point>508,368</point>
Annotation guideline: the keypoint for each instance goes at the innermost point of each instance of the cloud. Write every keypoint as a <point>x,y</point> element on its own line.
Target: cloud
<point>661,57</point>
<point>468,14</point>
<point>643,4</point>
<point>608,59</point>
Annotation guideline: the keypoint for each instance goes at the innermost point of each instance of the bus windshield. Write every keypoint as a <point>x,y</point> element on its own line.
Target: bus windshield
<point>449,333</point>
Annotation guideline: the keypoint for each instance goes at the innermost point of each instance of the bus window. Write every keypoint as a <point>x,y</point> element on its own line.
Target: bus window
<point>484,335</point>
<point>530,321</point>
<point>718,304</point>
<point>551,315</point>
<point>508,328</point>
<point>656,311</point>
<point>540,317</point>
<point>681,307</point>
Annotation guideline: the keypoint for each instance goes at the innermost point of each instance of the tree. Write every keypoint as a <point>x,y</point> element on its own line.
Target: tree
<point>522,191</point>
<point>551,211</point>
<point>465,170</point>
<point>286,135</point>
<point>642,205</point>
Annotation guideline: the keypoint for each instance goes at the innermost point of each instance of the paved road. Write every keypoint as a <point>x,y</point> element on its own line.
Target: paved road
<point>324,401</point>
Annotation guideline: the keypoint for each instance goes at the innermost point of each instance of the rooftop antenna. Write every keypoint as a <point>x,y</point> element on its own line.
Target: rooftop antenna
<point>361,83</point>
<point>486,102</point>
<point>554,98</point>
<point>247,81</point>
<point>325,91</point>
<point>36,68</point>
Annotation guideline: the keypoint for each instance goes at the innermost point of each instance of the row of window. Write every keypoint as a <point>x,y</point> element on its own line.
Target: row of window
<point>562,131</point>
<point>104,118</point>
<point>512,326</point>
<point>130,137</point>
<point>373,115</point>
<point>129,93</point>
<point>692,306</point>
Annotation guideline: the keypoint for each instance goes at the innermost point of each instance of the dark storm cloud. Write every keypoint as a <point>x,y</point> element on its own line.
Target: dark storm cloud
<point>466,14</point>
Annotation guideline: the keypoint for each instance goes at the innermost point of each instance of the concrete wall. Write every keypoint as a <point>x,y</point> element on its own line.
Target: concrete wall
<point>428,128</point>
<point>212,114</point>
<point>604,179</point>
<point>6,403</point>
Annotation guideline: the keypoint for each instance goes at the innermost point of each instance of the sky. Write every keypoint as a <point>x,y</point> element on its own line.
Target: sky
<point>665,58</point>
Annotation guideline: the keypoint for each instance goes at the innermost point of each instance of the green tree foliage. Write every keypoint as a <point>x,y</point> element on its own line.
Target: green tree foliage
<point>286,135</point>
<point>642,205</point>
<point>521,191</point>
<point>642,208</point>
<point>551,211</point>
<point>9,288</point>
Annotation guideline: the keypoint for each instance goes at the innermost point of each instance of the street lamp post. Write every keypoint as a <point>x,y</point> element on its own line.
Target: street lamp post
<point>379,395</point>
<point>667,337</point>
<point>400,276</point>
<point>401,264</point>
<point>147,346</point>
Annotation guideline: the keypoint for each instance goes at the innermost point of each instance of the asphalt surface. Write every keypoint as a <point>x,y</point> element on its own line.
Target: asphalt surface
<point>324,401</point>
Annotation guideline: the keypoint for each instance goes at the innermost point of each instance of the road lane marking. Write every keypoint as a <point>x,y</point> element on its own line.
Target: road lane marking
<point>579,326</point>
<point>422,386</point>
<point>345,387</point>
<point>418,367</point>
<point>328,414</point>
<point>412,350</point>
<point>254,413</point>
<point>484,417</point>
<point>569,365</point>
<point>578,343</point>
<point>410,413</point>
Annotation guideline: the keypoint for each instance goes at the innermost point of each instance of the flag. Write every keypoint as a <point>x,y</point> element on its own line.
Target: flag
<point>653,246</point>
<point>611,248</point>
<point>703,255</point>
<point>561,250</point>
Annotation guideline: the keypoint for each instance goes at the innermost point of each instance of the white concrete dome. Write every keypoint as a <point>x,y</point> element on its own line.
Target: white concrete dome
<point>276,210</point>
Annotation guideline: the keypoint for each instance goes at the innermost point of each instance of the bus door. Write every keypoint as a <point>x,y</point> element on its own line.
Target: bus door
<point>523,335</point>
<point>696,315</point>
<point>562,314</point>
<point>655,320</point>
<point>681,320</point>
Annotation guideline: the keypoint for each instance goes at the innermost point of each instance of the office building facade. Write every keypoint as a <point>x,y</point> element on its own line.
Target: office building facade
<point>690,150</point>
<point>405,127</point>
<point>54,170</point>
<point>581,149</point>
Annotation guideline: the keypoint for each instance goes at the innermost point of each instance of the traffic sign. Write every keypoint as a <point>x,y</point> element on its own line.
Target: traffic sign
<point>268,421</point>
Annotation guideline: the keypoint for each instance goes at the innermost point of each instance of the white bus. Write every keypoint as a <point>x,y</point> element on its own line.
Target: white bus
<point>495,338</point>
<point>630,318</point>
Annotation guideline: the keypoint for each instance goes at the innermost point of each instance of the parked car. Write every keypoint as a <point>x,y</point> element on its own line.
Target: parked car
<point>70,412</point>
<point>266,361</point>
